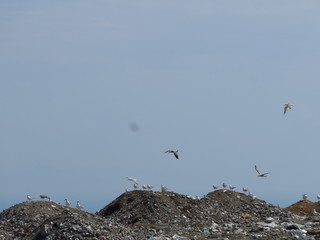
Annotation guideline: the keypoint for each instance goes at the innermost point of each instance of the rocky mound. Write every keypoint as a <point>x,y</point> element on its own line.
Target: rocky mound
<point>153,207</point>
<point>230,206</point>
<point>305,208</point>
<point>48,220</point>
<point>169,207</point>
<point>140,215</point>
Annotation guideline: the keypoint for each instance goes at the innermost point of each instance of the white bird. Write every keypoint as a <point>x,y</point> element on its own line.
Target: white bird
<point>304,196</point>
<point>215,186</point>
<point>78,205</point>
<point>67,202</point>
<point>224,185</point>
<point>286,107</point>
<point>245,189</point>
<point>29,198</point>
<point>149,187</point>
<point>144,187</point>
<point>135,186</point>
<point>231,187</point>
<point>318,197</point>
<point>175,153</point>
<point>163,188</point>
<point>132,179</point>
<point>259,173</point>
<point>315,213</point>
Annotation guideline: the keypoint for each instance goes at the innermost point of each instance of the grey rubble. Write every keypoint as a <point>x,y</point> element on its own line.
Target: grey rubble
<point>139,215</point>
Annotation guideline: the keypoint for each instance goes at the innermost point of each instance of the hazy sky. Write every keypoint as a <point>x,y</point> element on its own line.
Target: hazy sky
<point>209,78</point>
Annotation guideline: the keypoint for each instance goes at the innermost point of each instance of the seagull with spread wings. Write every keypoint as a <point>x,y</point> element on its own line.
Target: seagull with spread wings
<point>259,173</point>
<point>175,153</point>
<point>132,180</point>
<point>286,107</point>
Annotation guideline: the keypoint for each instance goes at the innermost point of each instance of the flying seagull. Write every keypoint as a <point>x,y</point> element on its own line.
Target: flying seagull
<point>286,106</point>
<point>259,173</point>
<point>132,179</point>
<point>175,153</point>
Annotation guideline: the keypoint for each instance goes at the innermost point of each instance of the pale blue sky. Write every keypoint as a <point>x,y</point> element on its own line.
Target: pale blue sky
<point>206,77</point>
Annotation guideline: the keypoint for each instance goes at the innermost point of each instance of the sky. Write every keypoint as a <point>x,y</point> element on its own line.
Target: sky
<point>209,78</point>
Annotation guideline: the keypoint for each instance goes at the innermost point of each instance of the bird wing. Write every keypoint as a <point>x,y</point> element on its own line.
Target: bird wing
<point>168,151</point>
<point>176,155</point>
<point>285,108</point>
<point>255,166</point>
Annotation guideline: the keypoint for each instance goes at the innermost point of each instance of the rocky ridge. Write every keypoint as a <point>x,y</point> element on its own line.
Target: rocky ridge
<point>221,214</point>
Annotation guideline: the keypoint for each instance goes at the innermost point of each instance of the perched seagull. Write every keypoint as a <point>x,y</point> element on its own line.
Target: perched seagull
<point>286,106</point>
<point>163,188</point>
<point>135,186</point>
<point>231,187</point>
<point>78,205</point>
<point>45,197</point>
<point>224,185</point>
<point>315,213</point>
<point>260,174</point>
<point>304,197</point>
<point>245,189</point>
<point>29,198</point>
<point>144,187</point>
<point>250,194</point>
<point>215,186</point>
<point>132,179</point>
<point>175,153</point>
<point>67,202</point>
<point>149,187</point>
<point>318,197</point>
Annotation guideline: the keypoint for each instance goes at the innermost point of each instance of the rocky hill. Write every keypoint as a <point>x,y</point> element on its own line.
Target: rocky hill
<point>169,207</point>
<point>305,208</point>
<point>138,215</point>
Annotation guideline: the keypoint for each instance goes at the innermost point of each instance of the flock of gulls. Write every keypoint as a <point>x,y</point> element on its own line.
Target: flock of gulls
<point>286,107</point>
<point>136,185</point>
<point>66,201</point>
<point>175,154</point>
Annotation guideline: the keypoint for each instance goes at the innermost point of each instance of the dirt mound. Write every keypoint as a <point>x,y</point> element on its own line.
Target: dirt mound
<point>169,207</point>
<point>230,206</point>
<point>48,220</point>
<point>304,208</point>
<point>152,207</point>
<point>140,215</point>
<point>25,217</point>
